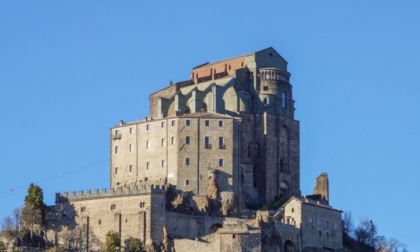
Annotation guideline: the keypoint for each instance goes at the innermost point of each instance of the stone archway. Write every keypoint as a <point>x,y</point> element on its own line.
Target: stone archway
<point>215,227</point>
<point>289,246</point>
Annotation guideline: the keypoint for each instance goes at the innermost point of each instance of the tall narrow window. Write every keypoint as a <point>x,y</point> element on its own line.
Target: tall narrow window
<point>131,130</point>
<point>187,140</point>
<point>187,161</point>
<point>147,126</point>
<point>147,165</point>
<point>172,140</point>
<point>283,100</point>
<point>220,123</point>
<point>130,168</point>
<point>188,122</point>
<point>173,122</point>
<point>162,142</point>
<point>116,170</point>
<point>220,162</point>
<point>130,147</point>
<point>148,145</point>
<point>116,149</point>
<point>163,163</point>
<point>206,123</point>
<point>207,142</point>
<point>221,143</point>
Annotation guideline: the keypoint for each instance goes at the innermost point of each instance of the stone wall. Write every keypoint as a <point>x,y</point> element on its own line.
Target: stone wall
<point>320,225</point>
<point>138,212</point>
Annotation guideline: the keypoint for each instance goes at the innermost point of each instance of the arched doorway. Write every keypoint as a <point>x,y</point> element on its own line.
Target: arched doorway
<point>289,246</point>
<point>215,227</point>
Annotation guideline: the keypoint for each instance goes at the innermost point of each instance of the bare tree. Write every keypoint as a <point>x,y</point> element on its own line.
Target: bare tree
<point>76,239</point>
<point>366,232</point>
<point>12,229</point>
<point>348,223</point>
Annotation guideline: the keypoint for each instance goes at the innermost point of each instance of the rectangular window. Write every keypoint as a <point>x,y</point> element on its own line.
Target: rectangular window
<point>188,122</point>
<point>116,149</point>
<point>130,168</point>
<point>130,147</point>
<point>220,162</point>
<point>221,143</point>
<point>207,142</point>
<point>310,220</point>
<point>131,130</point>
<point>319,232</point>
<point>207,123</point>
<point>187,161</point>
<point>148,145</point>
<point>147,165</point>
<point>187,140</point>
<point>187,182</point>
<point>172,140</point>
<point>163,163</point>
<point>147,126</point>
<point>162,142</point>
<point>220,123</point>
<point>319,222</point>
<point>265,88</point>
<point>327,234</point>
<point>336,226</point>
<point>162,124</point>
<point>173,122</point>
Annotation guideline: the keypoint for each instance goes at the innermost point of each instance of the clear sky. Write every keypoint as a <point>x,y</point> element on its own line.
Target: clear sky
<point>70,70</point>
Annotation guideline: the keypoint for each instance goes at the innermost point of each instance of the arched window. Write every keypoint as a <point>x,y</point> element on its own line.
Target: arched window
<point>283,99</point>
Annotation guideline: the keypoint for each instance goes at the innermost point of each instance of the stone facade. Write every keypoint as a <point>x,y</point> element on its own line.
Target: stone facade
<point>320,225</point>
<point>214,147</point>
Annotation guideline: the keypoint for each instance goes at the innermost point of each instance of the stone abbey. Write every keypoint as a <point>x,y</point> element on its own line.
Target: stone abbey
<point>215,167</point>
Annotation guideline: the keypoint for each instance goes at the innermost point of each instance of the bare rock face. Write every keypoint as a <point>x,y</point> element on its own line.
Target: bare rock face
<point>212,189</point>
<point>229,205</point>
<point>165,246</point>
<point>177,201</point>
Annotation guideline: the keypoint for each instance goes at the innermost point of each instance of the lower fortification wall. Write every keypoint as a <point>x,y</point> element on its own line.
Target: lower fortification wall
<point>136,212</point>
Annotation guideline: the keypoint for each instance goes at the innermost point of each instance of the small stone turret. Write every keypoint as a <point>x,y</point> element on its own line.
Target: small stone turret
<point>321,186</point>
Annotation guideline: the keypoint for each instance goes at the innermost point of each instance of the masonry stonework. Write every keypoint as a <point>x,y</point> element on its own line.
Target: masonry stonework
<point>214,148</point>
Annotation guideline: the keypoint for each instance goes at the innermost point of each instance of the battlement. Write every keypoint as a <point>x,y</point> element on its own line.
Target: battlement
<point>113,192</point>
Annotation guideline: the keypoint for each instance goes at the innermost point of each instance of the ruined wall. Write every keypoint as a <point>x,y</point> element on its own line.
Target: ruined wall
<point>321,186</point>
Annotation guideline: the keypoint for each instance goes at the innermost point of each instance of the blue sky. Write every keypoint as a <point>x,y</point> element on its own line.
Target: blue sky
<point>70,70</point>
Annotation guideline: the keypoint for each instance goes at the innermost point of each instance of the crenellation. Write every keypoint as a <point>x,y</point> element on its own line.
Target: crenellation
<point>191,174</point>
<point>116,191</point>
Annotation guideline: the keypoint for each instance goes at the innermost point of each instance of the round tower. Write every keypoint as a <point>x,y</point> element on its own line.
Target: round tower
<point>275,92</point>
